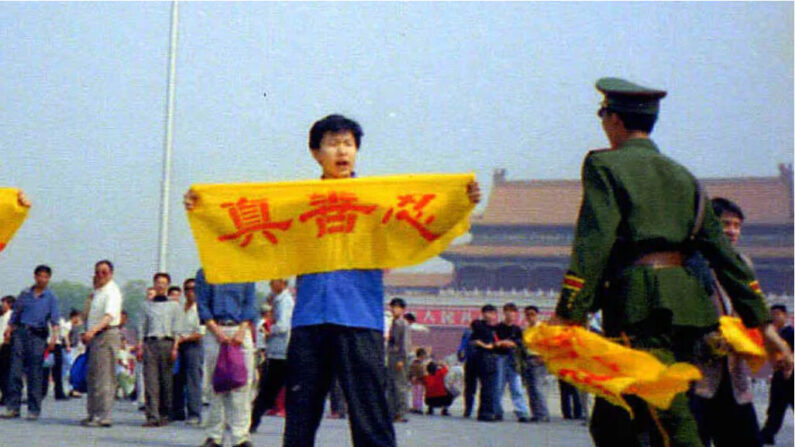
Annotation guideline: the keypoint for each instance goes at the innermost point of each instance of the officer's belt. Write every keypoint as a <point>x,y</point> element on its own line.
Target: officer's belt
<point>660,259</point>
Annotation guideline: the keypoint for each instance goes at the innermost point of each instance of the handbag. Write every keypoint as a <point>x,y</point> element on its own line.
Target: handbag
<point>230,369</point>
<point>78,374</point>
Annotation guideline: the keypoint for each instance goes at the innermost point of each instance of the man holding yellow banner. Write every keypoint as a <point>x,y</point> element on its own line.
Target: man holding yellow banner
<point>336,234</point>
<point>641,216</point>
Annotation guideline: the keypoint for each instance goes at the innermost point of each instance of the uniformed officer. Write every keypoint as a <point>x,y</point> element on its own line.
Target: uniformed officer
<point>641,217</point>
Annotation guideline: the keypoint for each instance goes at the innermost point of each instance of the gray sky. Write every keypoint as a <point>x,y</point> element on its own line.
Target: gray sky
<point>437,87</point>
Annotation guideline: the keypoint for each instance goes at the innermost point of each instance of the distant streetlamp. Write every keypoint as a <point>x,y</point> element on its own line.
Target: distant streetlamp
<point>169,140</point>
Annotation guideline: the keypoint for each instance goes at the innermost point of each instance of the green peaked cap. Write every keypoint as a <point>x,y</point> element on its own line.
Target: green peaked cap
<point>628,97</point>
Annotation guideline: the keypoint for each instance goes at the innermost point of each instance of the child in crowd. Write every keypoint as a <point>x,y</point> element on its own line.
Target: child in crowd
<point>416,373</point>
<point>125,371</point>
<point>436,394</point>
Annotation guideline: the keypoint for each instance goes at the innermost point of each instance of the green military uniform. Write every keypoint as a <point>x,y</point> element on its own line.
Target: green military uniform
<point>637,217</point>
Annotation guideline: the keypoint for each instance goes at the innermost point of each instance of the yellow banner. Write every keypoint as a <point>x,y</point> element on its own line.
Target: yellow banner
<point>259,231</point>
<point>12,214</point>
<point>745,342</point>
<point>607,369</point>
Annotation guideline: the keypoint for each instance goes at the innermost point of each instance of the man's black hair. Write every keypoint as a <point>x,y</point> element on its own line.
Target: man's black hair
<point>163,274</point>
<point>421,352</point>
<point>397,301</point>
<point>721,205</point>
<point>780,307</point>
<point>431,368</point>
<point>637,121</point>
<point>408,316</point>
<point>488,308</point>
<point>174,289</point>
<point>106,262</point>
<point>74,313</point>
<point>42,268</point>
<point>531,307</point>
<point>10,299</point>
<point>188,281</point>
<point>510,307</point>
<point>334,124</point>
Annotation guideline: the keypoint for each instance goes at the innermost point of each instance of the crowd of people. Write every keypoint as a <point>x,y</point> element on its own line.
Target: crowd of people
<point>163,360</point>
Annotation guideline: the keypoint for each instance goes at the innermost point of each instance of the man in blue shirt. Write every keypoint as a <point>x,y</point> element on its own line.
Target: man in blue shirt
<point>228,311</point>
<point>338,323</point>
<point>35,312</point>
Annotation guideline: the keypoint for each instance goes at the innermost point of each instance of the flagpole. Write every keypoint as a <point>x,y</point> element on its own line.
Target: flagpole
<point>169,140</point>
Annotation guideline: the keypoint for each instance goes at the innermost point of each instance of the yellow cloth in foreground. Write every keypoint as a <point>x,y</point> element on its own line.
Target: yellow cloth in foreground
<point>11,215</point>
<point>607,369</point>
<point>745,342</point>
<point>259,231</point>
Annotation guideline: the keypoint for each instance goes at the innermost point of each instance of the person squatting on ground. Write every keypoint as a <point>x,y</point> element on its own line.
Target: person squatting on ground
<point>436,393</point>
<point>641,215</point>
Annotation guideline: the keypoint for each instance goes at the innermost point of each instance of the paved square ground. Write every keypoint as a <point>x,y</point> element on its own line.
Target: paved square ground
<point>59,426</point>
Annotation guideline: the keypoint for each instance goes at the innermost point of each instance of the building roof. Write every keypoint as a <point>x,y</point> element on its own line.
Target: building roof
<point>561,251</point>
<point>406,279</point>
<point>764,200</point>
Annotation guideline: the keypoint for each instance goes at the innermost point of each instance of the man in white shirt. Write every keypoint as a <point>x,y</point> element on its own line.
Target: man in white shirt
<point>188,380</point>
<point>278,339</point>
<point>5,345</point>
<point>103,339</point>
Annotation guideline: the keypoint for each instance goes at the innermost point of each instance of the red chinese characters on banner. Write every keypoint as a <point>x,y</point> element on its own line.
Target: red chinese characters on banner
<point>409,209</point>
<point>335,212</point>
<point>249,217</point>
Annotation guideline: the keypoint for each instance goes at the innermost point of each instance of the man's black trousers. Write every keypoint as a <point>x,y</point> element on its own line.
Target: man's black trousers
<point>355,356</point>
<point>268,389</point>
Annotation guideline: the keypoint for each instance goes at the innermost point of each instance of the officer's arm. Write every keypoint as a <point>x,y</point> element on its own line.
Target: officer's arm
<point>736,277</point>
<point>594,236</point>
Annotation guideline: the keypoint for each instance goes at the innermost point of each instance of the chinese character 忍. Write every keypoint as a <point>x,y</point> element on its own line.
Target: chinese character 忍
<point>335,212</point>
<point>410,210</point>
<point>250,216</point>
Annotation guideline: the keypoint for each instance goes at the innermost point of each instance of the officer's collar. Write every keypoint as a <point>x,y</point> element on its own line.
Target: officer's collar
<point>644,143</point>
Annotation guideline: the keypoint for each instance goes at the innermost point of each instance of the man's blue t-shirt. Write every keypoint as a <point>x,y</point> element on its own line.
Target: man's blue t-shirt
<point>353,298</point>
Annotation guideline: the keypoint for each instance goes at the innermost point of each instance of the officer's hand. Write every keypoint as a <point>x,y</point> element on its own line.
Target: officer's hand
<point>189,199</point>
<point>473,192</point>
<point>556,320</point>
<point>22,199</point>
<point>777,349</point>
<point>237,340</point>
